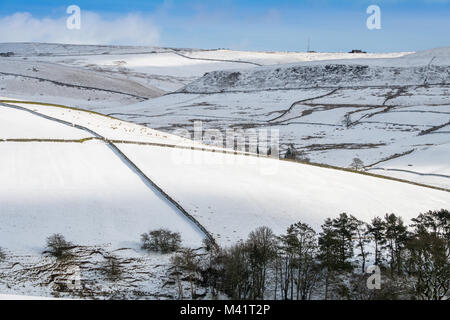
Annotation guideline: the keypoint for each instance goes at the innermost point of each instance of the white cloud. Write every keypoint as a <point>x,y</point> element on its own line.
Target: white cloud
<point>130,29</point>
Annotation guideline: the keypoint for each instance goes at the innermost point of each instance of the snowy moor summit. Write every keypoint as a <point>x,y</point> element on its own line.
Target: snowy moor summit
<point>89,146</point>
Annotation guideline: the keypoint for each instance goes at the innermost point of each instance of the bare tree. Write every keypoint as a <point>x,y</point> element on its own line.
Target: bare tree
<point>261,248</point>
<point>360,229</point>
<point>188,261</point>
<point>177,265</point>
<point>236,273</point>
<point>357,164</point>
<point>58,246</point>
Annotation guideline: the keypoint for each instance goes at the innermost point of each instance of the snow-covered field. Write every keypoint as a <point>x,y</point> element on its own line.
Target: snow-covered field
<point>331,111</point>
<point>82,190</point>
<point>81,178</point>
<point>104,180</point>
<point>371,124</point>
<point>233,195</point>
<point>89,193</point>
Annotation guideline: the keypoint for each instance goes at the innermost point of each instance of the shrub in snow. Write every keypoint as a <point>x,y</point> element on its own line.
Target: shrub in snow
<point>58,246</point>
<point>2,254</point>
<point>161,240</point>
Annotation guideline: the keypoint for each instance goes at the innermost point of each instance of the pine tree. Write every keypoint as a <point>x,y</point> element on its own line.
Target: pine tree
<point>300,272</point>
<point>329,252</point>
<point>437,222</point>
<point>345,228</point>
<point>396,236</point>
<point>376,231</point>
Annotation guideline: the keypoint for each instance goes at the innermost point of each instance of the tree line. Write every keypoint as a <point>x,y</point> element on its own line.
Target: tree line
<point>302,264</point>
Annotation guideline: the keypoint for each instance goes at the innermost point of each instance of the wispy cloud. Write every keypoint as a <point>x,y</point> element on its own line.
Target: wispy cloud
<point>131,29</point>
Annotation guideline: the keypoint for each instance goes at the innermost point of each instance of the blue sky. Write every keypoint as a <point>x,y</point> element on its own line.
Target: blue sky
<point>331,25</point>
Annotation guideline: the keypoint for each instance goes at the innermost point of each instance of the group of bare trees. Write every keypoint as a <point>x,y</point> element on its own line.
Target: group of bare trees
<point>302,264</point>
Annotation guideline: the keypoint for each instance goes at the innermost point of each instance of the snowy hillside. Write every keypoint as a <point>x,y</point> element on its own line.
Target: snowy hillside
<point>90,149</point>
<point>236,179</point>
<point>221,191</point>
<point>332,107</point>
<point>431,67</point>
<point>232,196</point>
<point>48,81</point>
<point>167,69</point>
<point>62,174</point>
<point>331,111</point>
